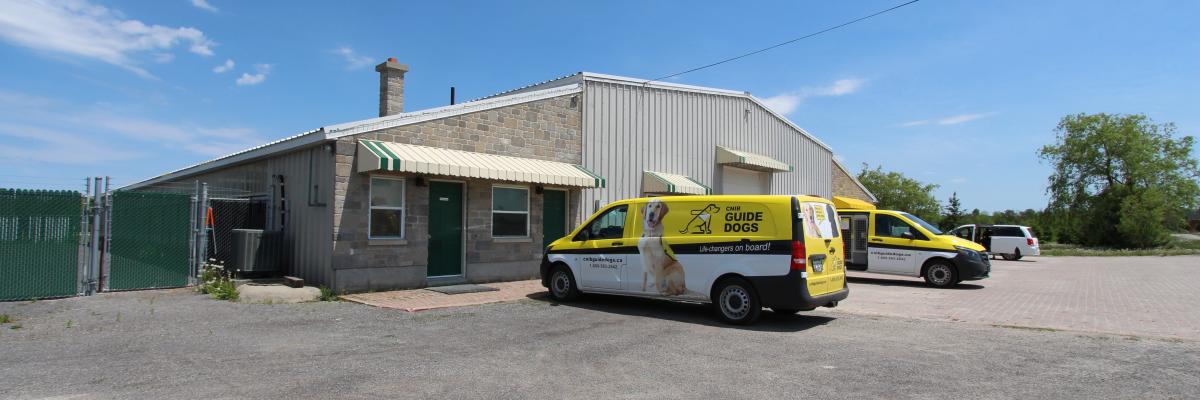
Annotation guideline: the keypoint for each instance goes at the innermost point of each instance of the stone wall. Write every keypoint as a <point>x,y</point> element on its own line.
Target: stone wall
<point>549,129</point>
<point>844,185</point>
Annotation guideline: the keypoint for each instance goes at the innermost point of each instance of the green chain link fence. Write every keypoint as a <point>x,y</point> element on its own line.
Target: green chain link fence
<point>149,240</point>
<point>39,243</point>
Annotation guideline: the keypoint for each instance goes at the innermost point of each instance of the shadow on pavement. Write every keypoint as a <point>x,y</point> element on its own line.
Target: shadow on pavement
<point>701,314</point>
<point>893,282</point>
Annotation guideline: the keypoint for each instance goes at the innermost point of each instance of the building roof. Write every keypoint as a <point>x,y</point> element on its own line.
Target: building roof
<point>839,165</point>
<point>539,91</point>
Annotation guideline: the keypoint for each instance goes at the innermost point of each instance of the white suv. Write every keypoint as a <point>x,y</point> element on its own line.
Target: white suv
<point>1009,241</point>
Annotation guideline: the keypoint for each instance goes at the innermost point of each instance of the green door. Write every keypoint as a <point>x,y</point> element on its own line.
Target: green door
<point>554,215</point>
<point>445,228</point>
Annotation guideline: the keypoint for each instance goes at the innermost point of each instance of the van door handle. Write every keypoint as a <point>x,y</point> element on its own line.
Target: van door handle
<point>876,240</point>
<point>616,243</point>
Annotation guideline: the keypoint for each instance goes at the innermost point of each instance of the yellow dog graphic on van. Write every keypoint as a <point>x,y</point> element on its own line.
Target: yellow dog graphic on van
<point>658,260</point>
<point>701,220</point>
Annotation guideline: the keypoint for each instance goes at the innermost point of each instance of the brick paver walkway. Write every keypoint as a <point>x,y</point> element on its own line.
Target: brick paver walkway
<point>1151,296</point>
<point>422,299</point>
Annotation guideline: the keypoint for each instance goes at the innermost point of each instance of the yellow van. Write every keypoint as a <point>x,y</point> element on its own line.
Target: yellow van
<point>741,253</point>
<point>899,243</point>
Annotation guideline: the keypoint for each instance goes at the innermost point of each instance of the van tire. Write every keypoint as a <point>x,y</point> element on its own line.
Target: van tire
<point>736,302</point>
<point>941,274</point>
<point>562,284</point>
<point>785,311</point>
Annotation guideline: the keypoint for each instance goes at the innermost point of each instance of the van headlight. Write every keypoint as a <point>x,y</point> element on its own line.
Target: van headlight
<point>970,254</point>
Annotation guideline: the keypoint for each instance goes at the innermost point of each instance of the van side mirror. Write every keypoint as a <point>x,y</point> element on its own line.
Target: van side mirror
<point>908,235</point>
<point>583,236</point>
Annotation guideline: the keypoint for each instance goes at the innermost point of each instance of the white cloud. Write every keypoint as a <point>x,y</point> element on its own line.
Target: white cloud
<point>353,60</point>
<point>48,145</point>
<point>203,5</point>
<point>220,69</point>
<point>257,78</point>
<point>840,87</point>
<point>79,28</point>
<point>785,103</point>
<point>35,128</point>
<point>951,120</point>
<point>962,118</point>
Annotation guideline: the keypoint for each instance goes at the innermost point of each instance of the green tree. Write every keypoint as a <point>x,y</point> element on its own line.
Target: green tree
<point>953,216</point>
<point>1119,180</point>
<point>898,192</point>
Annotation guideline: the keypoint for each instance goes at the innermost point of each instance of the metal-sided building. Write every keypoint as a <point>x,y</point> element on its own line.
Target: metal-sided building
<point>472,192</point>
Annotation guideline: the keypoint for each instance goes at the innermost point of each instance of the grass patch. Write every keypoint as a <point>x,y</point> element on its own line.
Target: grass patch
<point>1026,328</point>
<point>1177,247</point>
<point>328,294</point>
<point>15,327</point>
<point>216,282</point>
<point>4,319</point>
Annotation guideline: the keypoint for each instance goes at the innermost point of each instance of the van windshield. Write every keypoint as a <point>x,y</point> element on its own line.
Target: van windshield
<point>932,229</point>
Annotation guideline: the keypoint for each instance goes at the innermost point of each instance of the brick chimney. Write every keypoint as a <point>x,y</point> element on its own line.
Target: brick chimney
<point>391,87</point>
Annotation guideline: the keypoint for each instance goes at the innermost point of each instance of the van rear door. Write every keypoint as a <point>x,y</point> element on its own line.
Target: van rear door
<point>817,222</point>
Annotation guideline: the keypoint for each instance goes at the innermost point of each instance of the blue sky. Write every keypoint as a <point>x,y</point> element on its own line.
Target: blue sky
<point>960,94</point>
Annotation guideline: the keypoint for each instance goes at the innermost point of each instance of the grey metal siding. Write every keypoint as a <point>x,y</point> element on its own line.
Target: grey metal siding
<point>628,129</point>
<point>307,227</point>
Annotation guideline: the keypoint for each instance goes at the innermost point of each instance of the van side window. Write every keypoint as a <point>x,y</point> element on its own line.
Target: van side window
<point>891,226</point>
<point>610,225</point>
<point>964,233</point>
<point>1009,231</point>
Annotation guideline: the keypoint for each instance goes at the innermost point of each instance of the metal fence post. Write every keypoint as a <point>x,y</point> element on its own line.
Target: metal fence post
<point>94,254</point>
<point>202,243</point>
<point>81,263</point>
<point>105,257</point>
<point>193,261</point>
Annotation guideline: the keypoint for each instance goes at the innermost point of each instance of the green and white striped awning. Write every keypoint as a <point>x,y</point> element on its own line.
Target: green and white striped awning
<point>662,182</point>
<point>748,160</point>
<point>374,155</point>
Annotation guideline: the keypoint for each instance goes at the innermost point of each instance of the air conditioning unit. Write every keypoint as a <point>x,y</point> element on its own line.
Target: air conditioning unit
<point>256,251</point>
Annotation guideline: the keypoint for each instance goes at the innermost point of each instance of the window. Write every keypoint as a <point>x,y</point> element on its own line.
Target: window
<point>1012,231</point>
<point>928,226</point>
<point>610,225</point>
<point>510,211</point>
<point>892,226</point>
<point>387,208</point>
<point>964,232</point>
<point>818,220</point>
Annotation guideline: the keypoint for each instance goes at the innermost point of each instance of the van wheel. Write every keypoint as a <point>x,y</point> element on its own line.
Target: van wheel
<point>562,285</point>
<point>784,311</point>
<point>737,302</point>
<point>941,274</point>
<point>1016,254</point>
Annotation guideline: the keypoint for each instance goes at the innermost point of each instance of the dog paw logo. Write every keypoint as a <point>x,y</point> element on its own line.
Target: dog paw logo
<point>701,222</point>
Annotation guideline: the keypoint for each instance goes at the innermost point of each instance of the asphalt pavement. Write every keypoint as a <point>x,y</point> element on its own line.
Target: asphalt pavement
<point>176,344</point>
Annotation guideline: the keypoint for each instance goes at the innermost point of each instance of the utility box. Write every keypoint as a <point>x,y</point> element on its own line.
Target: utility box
<point>256,251</point>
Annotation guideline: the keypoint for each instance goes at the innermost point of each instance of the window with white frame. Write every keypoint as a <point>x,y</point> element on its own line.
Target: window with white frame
<point>510,211</point>
<point>387,208</point>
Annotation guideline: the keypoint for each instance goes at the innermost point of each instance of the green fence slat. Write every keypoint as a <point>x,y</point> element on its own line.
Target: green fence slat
<point>149,240</point>
<point>39,243</point>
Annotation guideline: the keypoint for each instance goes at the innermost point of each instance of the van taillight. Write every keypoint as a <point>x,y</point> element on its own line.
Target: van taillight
<point>799,255</point>
<point>1029,240</point>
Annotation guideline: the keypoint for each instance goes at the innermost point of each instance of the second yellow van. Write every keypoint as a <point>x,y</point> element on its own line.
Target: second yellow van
<point>899,243</point>
<point>740,253</point>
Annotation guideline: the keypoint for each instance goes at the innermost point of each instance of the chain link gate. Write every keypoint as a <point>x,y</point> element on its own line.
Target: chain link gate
<point>150,240</point>
<point>39,243</point>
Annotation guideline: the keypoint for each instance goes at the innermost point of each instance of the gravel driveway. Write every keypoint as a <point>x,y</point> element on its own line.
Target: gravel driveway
<point>176,344</point>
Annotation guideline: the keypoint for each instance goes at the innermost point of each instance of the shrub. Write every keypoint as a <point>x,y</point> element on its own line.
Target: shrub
<point>216,282</point>
<point>328,294</point>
